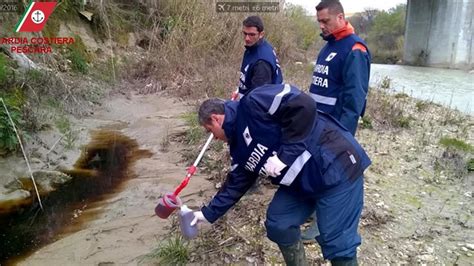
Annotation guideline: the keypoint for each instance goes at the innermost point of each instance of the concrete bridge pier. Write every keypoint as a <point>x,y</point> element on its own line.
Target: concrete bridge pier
<point>440,33</point>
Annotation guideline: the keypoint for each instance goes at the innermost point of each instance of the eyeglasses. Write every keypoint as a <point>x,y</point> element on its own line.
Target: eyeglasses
<point>251,34</point>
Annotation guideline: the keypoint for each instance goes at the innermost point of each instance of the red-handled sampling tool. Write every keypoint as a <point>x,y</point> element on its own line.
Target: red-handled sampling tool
<point>170,201</point>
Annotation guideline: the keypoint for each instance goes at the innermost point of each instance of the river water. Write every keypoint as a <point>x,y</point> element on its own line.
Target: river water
<point>449,87</point>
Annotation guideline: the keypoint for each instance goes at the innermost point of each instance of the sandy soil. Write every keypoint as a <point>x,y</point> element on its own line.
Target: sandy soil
<point>413,214</point>
<point>127,228</point>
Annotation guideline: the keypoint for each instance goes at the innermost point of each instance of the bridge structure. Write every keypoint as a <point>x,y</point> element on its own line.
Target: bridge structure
<point>440,33</point>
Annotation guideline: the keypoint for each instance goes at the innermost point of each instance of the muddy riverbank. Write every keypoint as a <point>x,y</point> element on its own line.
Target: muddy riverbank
<point>418,204</point>
<point>153,121</point>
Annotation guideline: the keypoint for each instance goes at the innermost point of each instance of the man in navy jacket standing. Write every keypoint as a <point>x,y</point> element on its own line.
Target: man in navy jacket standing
<point>275,131</point>
<point>341,75</point>
<point>260,64</point>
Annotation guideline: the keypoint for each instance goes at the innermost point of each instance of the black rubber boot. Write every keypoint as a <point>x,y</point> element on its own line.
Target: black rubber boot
<point>344,261</point>
<point>294,255</point>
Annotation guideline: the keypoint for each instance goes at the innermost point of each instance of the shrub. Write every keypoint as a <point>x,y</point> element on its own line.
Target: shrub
<point>13,102</point>
<point>3,70</point>
<point>453,162</point>
<point>388,110</point>
<point>383,31</point>
<point>386,82</point>
<point>78,56</point>
<point>366,122</point>
<point>385,37</point>
<point>212,45</point>
<point>79,64</point>
<point>69,135</point>
<point>422,105</point>
<point>470,165</point>
<point>403,121</point>
<point>305,28</point>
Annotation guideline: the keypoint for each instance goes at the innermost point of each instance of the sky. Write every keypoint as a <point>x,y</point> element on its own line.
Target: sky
<point>350,6</point>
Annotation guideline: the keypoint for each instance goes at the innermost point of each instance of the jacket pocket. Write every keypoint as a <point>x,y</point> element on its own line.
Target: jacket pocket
<point>331,172</point>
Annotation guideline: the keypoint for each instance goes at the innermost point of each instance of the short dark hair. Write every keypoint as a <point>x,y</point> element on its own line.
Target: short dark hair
<point>334,6</point>
<point>254,21</point>
<point>209,107</point>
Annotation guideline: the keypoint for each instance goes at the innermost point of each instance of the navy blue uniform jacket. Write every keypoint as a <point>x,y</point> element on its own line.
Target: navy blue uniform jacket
<point>341,77</point>
<point>254,56</point>
<point>320,154</point>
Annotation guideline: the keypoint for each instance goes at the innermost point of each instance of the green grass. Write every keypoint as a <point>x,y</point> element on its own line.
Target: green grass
<point>78,62</point>
<point>366,122</point>
<point>385,83</point>
<point>69,135</point>
<point>35,75</point>
<point>422,105</point>
<point>470,165</point>
<point>401,95</point>
<point>51,29</point>
<point>107,70</point>
<point>386,109</point>
<point>8,139</point>
<point>456,144</point>
<point>3,70</point>
<point>413,201</point>
<point>195,132</point>
<point>175,251</point>
<point>14,100</point>
<point>403,121</point>
<point>79,56</point>
<point>66,9</point>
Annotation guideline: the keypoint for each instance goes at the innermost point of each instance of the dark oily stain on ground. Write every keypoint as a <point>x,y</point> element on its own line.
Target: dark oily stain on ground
<point>99,172</point>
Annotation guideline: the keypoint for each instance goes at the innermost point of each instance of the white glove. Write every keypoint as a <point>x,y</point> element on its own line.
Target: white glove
<point>273,166</point>
<point>198,218</point>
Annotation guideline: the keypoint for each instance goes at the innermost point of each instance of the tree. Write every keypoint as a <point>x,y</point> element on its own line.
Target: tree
<point>388,27</point>
<point>304,27</point>
<point>363,21</point>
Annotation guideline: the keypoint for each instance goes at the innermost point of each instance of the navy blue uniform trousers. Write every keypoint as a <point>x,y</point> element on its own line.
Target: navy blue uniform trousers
<point>338,218</point>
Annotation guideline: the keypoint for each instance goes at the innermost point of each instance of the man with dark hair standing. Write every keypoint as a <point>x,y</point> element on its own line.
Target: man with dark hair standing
<point>260,64</point>
<point>276,132</point>
<point>341,74</point>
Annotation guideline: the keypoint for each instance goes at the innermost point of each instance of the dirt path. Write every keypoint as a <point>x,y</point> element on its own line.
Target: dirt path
<point>127,228</point>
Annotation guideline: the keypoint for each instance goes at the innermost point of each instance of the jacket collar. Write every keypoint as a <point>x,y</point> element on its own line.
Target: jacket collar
<point>230,111</point>
<point>253,47</point>
<point>340,33</point>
